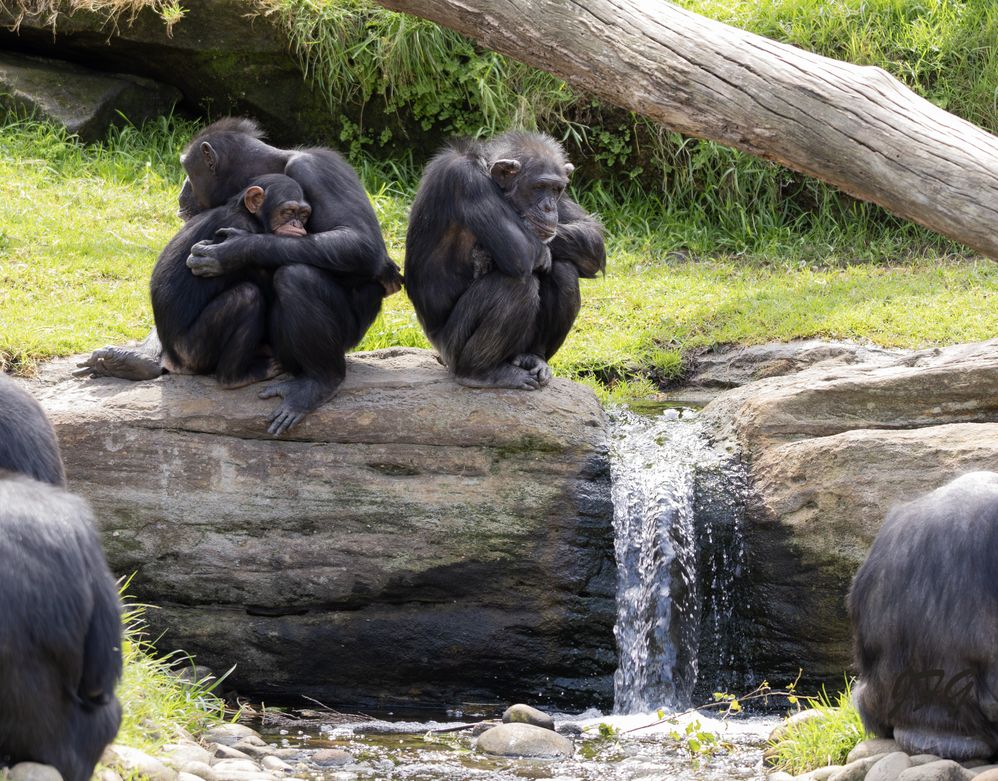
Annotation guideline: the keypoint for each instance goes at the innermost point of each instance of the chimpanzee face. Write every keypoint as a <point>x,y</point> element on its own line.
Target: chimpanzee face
<point>534,185</point>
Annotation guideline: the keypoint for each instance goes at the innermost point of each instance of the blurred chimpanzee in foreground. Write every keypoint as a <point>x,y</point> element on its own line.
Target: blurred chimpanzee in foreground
<point>924,611</point>
<point>494,254</point>
<point>60,620</point>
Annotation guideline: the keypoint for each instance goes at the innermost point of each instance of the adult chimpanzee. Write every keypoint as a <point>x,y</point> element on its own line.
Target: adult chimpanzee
<point>218,325</point>
<point>924,610</point>
<point>60,622</point>
<point>494,255</point>
<point>327,286</point>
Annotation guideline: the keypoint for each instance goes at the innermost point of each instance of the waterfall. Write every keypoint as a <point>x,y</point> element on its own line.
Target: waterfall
<point>677,527</point>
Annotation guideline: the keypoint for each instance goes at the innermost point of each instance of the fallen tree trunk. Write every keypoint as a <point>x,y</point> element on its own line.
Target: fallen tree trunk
<point>855,127</point>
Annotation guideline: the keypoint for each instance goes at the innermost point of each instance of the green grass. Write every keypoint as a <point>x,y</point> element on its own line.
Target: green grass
<point>156,709</point>
<point>821,741</point>
<point>83,225</point>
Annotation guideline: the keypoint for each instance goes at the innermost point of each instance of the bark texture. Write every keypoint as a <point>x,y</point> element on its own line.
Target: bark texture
<point>855,127</point>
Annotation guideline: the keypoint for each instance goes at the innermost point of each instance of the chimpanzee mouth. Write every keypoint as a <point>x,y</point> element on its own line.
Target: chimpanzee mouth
<point>294,231</point>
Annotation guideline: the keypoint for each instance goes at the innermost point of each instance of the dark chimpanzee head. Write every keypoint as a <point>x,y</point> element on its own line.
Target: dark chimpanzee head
<point>533,173</point>
<point>278,202</point>
<point>220,161</point>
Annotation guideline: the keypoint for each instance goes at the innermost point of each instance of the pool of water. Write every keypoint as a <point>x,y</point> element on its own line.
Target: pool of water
<point>625,749</point>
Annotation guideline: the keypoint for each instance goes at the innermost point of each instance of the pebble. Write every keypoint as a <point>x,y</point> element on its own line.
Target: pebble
<point>33,771</point>
<point>857,769</point>
<point>822,773</point>
<point>200,769</point>
<point>177,755</point>
<point>524,714</point>
<point>131,761</point>
<point>331,757</point>
<point>940,770</point>
<point>890,767</point>
<point>524,740</point>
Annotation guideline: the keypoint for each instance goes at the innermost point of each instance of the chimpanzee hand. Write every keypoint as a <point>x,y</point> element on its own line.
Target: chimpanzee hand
<point>224,233</point>
<point>391,278</point>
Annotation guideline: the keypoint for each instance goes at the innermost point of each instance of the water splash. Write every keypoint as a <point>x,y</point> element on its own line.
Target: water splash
<point>677,505</point>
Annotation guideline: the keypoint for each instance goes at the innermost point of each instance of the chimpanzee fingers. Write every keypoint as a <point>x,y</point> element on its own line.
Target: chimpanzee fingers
<point>226,233</point>
<point>274,389</point>
<point>284,419</point>
<point>202,266</point>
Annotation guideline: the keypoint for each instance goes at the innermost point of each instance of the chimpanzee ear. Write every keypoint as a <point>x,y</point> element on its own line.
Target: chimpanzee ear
<point>503,171</point>
<point>209,155</point>
<point>568,169</point>
<point>253,198</point>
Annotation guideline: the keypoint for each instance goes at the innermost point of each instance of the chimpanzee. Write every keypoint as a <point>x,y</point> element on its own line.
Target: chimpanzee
<point>327,286</point>
<point>924,611</point>
<point>493,258</point>
<point>218,325</point>
<point>60,620</point>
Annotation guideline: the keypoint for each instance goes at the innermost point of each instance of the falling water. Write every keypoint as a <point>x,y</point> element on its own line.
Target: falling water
<point>677,518</point>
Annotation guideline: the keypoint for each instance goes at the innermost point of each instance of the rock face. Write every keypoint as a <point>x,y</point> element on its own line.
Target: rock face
<point>829,450</point>
<point>86,102</point>
<point>219,55</point>
<point>411,541</point>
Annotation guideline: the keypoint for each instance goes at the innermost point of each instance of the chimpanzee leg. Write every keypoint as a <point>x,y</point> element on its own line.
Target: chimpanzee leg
<point>226,339</point>
<point>314,321</point>
<point>489,326</point>
<point>141,362</point>
<point>559,305</point>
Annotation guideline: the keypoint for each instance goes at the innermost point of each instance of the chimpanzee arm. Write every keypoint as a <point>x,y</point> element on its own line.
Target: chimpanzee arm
<point>102,645</point>
<point>579,239</point>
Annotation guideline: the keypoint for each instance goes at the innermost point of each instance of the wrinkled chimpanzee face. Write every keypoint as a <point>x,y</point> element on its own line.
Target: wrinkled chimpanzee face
<point>278,202</point>
<point>534,185</point>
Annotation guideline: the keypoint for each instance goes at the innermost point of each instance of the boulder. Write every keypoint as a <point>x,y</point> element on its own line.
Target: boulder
<point>84,101</point>
<point>829,450</point>
<point>524,740</point>
<point>411,541</point>
<point>220,54</point>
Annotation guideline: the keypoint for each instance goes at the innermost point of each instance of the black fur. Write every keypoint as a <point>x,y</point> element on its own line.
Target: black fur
<point>494,255</point>
<point>60,621</point>
<point>924,610</point>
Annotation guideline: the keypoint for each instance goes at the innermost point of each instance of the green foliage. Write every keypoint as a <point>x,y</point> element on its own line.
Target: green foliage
<point>156,707</point>
<point>823,740</point>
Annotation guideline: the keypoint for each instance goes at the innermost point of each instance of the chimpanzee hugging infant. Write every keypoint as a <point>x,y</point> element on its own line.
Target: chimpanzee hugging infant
<point>494,254</point>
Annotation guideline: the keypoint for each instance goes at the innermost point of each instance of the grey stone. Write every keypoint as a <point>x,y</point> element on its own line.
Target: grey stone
<point>780,730</point>
<point>107,774</point>
<point>941,770</point>
<point>202,769</point>
<point>33,771</point>
<point>890,767</point>
<point>821,773</point>
<point>525,714</point>
<point>224,767</point>
<point>489,511</point>
<point>869,748</point>
<point>857,769</point>
<point>331,757</point>
<point>84,101</point>
<point>183,776</point>
<point>276,765</point>
<point>178,755</point>
<point>923,759</point>
<point>524,740</point>
<point>229,734</point>
<point>254,747</point>
<point>221,752</point>
<point>779,775</point>
<point>985,773</point>
<point>131,761</point>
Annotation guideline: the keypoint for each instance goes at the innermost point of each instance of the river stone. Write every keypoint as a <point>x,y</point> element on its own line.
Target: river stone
<point>524,740</point>
<point>780,730</point>
<point>224,767</point>
<point>84,101</point>
<point>276,765</point>
<point>184,776</point>
<point>131,761</point>
<point>857,769</point>
<point>179,755</point>
<point>821,773</point>
<point>943,770</point>
<point>220,752</point>
<point>869,748</point>
<point>779,775</point>
<point>829,450</point>
<point>416,531</point>
<point>331,757</point>
<point>33,771</point>
<point>229,733</point>
<point>525,714</point>
<point>890,767</point>
<point>923,759</point>
<point>107,774</point>
<point>985,773</point>
<point>254,747</point>
<point>199,769</point>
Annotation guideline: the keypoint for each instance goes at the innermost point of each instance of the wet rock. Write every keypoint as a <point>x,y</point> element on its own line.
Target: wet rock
<point>525,714</point>
<point>33,771</point>
<point>276,765</point>
<point>568,728</point>
<point>331,757</point>
<point>524,740</point>
<point>130,761</point>
<point>890,767</point>
<point>856,770</point>
<point>177,755</point>
<point>868,748</point>
<point>489,510</point>
<point>942,770</point>
<point>229,734</point>
<point>220,751</point>
<point>254,747</point>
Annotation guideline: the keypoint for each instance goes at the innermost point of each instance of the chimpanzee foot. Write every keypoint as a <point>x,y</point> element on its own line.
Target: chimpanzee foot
<point>301,395</point>
<point>262,369</point>
<point>505,375</point>
<point>536,365</point>
<point>119,362</point>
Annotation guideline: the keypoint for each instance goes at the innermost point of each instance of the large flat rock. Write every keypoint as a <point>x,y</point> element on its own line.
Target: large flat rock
<point>411,541</point>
